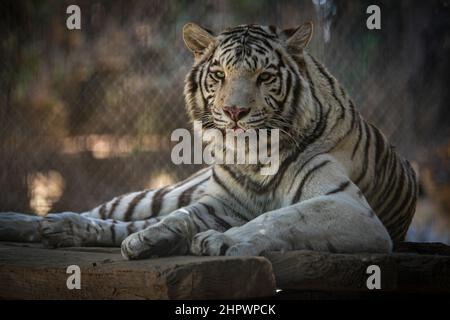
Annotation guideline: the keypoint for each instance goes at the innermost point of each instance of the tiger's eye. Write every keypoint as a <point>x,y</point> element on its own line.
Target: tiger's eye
<point>219,74</point>
<point>265,76</point>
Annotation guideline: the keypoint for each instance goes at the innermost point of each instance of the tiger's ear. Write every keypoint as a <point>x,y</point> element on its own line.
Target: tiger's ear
<point>196,38</point>
<point>298,38</point>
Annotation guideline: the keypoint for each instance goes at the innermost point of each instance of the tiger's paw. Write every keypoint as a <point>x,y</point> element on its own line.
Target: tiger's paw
<point>245,249</point>
<point>156,240</point>
<point>66,229</point>
<point>19,227</point>
<point>214,243</point>
<point>211,243</point>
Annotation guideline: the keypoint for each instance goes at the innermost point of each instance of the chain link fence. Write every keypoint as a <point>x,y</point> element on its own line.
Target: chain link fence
<point>87,114</point>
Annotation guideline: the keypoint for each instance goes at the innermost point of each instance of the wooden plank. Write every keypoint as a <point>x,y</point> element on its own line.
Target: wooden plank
<point>31,272</point>
<point>423,248</point>
<point>321,271</point>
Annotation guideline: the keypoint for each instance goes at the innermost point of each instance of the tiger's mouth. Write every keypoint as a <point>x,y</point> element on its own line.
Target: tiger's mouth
<point>240,127</point>
<point>237,128</point>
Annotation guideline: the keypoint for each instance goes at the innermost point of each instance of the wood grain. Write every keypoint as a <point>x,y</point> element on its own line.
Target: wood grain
<point>31,272</point>
<point>400,272</point>
<point>28,271</point>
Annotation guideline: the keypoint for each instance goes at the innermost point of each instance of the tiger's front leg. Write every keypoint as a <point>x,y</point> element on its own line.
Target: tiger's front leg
<point>174,233</point>
<point>332,223</point>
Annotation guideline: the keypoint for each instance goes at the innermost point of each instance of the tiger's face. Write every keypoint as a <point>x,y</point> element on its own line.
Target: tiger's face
<point>246,77</point>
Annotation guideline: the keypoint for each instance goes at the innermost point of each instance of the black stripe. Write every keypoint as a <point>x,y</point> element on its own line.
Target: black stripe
<point>358,141</point>
<point>224,187</point>
<point>276,179</point>
<point>398,187</point>
<point>382,170</point>
<point>102,211</point>
<point>186,196</point>
<point>304,165</point>
<point>406,203</point>
<point>227,47</point>
<point>130,227</point>
<point>294,108</point>
<point>387,190</point>
<point>340,188</point>
<point>262,33</point>
<point>255,62</point>
<point>212,212</point>
<point>379,145</point>
<point>406,214</point>
<point>331,82</point>
<point>353,112</point>
<point>174,229</point>
<point>246,28</point>
<point>298,194</point>
<point>132,205</point>
<point>197,215</point>
<point>232,39</point>
<point>271,81</point>
<point>287,90</point>
<point>192,81</point>
<point>381,167</point>
<point>321,125</point>
<point>256,43</point>
<point>157,200</point>
<point>366,155</point>
<point>113,233</point>
<point>350,129</point>
<point>229,207</point>
<point>114,206</point>
<point>280,59</point>
<point>201,80</point>
<point>401,227</point>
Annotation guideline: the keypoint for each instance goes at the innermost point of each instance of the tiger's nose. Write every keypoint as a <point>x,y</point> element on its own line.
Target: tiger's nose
<point>236,113</point>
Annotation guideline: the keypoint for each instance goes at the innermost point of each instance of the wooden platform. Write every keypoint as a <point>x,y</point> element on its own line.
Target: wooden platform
<point>32,272</point>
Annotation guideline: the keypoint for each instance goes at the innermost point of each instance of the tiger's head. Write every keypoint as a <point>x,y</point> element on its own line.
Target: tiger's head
<point>248,77</point>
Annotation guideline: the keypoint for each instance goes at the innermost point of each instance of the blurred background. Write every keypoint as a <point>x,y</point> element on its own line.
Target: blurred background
<point>86,115</point>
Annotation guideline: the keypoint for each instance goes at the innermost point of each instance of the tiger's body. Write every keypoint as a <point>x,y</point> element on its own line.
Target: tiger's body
<point>340,186</point>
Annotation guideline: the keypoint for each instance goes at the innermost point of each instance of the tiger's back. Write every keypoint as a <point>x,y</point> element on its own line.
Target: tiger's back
<point>386,179</point>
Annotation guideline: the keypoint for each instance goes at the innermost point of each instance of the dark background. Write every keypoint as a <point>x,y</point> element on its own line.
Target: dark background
<point>86,115</point>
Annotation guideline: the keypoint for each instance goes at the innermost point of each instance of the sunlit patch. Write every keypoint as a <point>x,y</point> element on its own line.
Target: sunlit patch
<point>44,188</point>
<point>160,180</point>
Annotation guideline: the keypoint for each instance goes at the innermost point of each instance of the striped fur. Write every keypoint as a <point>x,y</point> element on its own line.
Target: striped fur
<point>340,186</point>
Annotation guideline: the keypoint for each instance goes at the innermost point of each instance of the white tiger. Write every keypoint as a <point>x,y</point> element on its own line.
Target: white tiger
<point>340,186</point>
